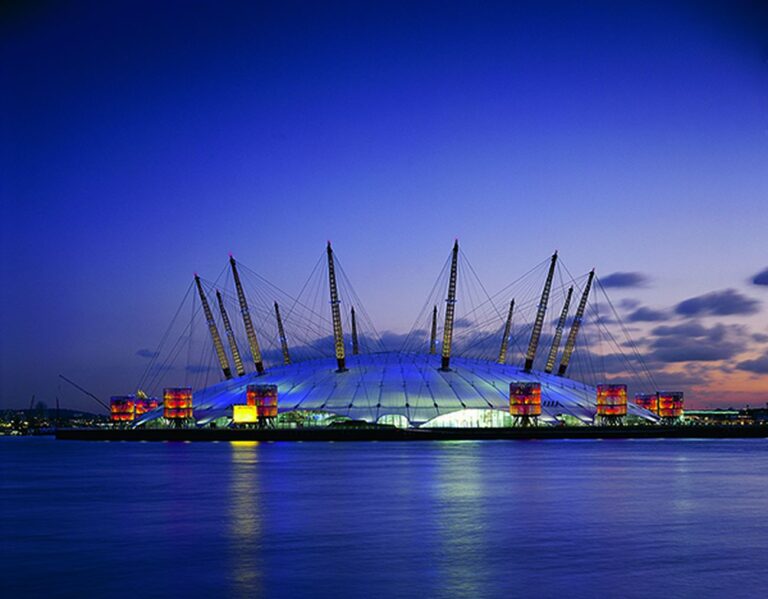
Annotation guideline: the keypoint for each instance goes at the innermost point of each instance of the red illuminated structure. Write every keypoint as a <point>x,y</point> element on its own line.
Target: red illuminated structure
<point>670,405</point>
<point>525,402</point>
<point>611,403</point>
<point>264,397</point>
<point>177,404</point>
<point>647,401</point>
<point>122,408</point>
<point>146,404</point>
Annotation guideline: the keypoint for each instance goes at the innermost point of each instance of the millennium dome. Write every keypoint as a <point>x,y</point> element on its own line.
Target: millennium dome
<point>439,387</point>
<point>404,390</point>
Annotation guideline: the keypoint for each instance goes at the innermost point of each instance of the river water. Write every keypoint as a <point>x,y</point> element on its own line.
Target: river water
<point>634,518</point>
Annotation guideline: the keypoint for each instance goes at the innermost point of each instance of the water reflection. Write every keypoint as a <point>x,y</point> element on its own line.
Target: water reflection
<point>461,521</point>
<point>245,520</point>
<point>487,519</point>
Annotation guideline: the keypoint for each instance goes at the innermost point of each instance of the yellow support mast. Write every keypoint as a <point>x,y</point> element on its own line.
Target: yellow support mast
<point>570,344</point>
<point>281,334</point>
<point>445,362</point>
<point>250,332</point>
<point>539,322</point>
<point>355,344</point>
<point>433,335</point>
<point>338,333</point>
<point>217,344</point>
<point>230,337</point>
<point>558,333</point>
<point>505,339</point>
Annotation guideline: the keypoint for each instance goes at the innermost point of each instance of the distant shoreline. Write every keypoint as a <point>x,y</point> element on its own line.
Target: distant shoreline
<point>395,434</point>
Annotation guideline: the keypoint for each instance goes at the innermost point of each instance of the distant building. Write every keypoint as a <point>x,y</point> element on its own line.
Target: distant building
<point>742,417</point>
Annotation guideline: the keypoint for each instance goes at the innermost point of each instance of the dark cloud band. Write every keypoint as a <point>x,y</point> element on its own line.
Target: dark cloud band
<point>761,278</point>
<point>624,279</point>
<point>718,303</point>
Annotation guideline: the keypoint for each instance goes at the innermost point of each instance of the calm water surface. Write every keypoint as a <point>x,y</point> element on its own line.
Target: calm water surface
<point>678,518</point>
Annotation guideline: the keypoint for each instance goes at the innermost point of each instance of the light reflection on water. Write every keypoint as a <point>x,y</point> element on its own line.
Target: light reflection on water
<point>245,518</point>
<point>499,519</point>
<point>461,523</point>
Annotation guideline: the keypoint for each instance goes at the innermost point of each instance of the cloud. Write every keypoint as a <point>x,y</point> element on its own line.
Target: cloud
<point>687,329</point>
<point>692,350</point>
<point>693,342</point>
<point>462,323</point>
<point>568,320</point>
<point>418,340</point>
<point>609,364</point>
<point>756,366</point>
<point>718,303</point>
<point>760,337</point>
<point>147,353</point>
<point>604,320</point>
<point>761,278</point>
<point>677,379</point>
<point>624,280</point>
<point>628,303</point>
<point>601,313</point>
<point>645,314</point>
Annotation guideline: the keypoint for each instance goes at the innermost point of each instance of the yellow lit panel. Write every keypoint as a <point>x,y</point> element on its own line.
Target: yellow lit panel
<point>244,414</point>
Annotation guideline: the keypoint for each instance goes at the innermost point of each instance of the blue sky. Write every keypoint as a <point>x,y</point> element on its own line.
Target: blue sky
<point>144,141</point>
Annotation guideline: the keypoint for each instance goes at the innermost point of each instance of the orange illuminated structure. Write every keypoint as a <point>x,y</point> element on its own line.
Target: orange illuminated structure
<point>670,404</point>
<point>525,402</point>
<point>146,404</point>
<point>647,401</point>
<point>177,404</point>
<point>122,408</point>
<point>264,398</point>
<point>611,403</point>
